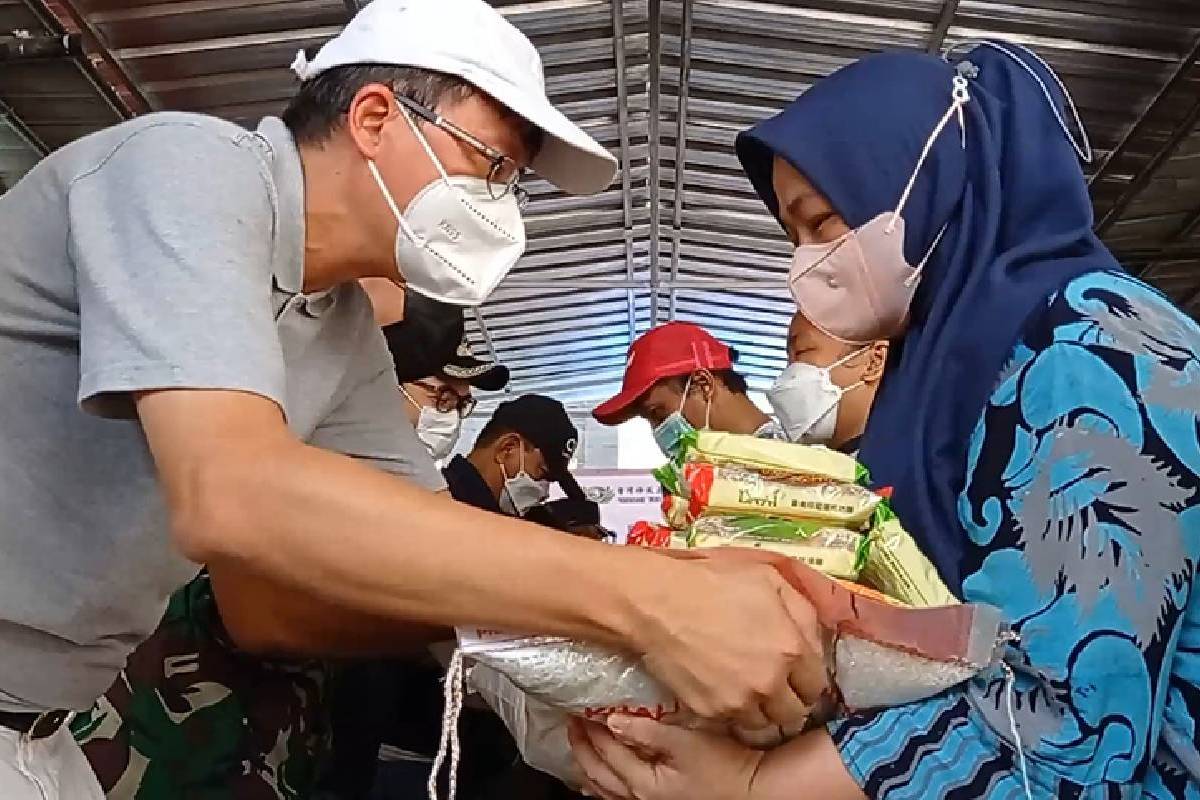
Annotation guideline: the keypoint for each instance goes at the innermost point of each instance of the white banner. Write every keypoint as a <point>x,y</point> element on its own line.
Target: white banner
<point>625,496</point>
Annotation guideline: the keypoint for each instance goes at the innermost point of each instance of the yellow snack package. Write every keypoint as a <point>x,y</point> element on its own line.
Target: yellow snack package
<point>714,491</point>
<point>897,567</point>
<point>774,459</point>
<point>830,550</point>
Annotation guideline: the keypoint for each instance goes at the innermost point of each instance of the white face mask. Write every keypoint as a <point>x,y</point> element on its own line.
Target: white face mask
<point>521,492</point>
<point>805,400</point>
<point>455,242</point>
<point>437,430</point>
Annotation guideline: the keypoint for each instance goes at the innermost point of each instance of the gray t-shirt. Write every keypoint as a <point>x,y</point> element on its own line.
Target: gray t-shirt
<point>166,252</point>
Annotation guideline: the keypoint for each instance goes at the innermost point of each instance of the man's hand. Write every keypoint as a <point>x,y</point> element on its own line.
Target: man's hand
<point>735,641</point>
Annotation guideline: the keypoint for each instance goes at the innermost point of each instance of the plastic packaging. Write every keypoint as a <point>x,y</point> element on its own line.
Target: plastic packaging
<point>774,459</point>
<point>896,566</point>
<point>833,551</point>
<point>577,678</point>
<point>594,682</point>
<point>676,512</point>
<point>539,729</point>
<point>647,534</point>
<point>713,490</point>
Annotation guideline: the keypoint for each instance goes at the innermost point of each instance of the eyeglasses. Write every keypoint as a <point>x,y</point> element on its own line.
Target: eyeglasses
<point>504,175</point>
<point>446,399</point>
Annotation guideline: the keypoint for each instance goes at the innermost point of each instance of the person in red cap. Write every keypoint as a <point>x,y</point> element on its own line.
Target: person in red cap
<point>679,378</point>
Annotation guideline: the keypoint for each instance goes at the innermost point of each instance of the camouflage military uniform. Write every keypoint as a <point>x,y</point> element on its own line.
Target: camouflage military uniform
<point>190,718</point>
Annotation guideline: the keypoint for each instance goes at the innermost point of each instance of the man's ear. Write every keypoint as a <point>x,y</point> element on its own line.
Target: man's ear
<point>508,443</point>
<point>371,108</point>
<point>876,362</point>
<point>705,383</point>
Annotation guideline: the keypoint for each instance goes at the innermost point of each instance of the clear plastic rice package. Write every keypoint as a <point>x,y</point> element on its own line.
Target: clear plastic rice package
<point>887,653</point>
<point>730,490</point>
<point>539,729</point>
<point>834,551</point>
<point>577,678</point>
<point>884,654</point>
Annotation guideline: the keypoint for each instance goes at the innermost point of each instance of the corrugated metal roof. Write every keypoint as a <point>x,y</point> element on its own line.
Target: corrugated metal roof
<point>666,85</point>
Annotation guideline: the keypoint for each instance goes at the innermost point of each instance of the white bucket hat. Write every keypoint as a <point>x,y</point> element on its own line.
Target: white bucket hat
<point>471,40</point>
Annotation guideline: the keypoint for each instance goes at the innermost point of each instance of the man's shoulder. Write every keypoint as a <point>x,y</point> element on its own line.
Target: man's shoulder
<point>169,140</point>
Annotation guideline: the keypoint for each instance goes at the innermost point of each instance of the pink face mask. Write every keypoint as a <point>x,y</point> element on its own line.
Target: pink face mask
<point>859,288</point>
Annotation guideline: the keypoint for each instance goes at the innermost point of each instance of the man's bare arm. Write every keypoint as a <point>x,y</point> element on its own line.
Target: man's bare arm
<point>265,618</point>
<point>244,492</point>
<point>246,495</point>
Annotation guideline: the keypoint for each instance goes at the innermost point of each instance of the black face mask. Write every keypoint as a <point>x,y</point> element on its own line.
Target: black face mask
<point>426,339</point>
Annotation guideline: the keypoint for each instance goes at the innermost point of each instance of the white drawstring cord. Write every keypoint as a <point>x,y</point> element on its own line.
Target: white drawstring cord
<point>1082,146</point>
<point>960,97</point>
<point>1010,680</point>
<point>448,743</point>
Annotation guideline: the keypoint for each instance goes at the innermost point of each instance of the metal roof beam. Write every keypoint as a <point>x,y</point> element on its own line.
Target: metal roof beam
<point>937,37</point>
<point>1185,230</point>
<point>1104,170</point>
<point>40,47</point>
<point>623,132</point>
<point>23,131</point>
<point>681,139</point>
<point>106,74</point>
<point>1190,300</point>
<point>644,283</point>
<point>1135,186</point>
<point>655,177</point>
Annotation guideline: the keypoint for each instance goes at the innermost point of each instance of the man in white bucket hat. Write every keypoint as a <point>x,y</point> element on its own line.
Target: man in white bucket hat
<point>187,361</point>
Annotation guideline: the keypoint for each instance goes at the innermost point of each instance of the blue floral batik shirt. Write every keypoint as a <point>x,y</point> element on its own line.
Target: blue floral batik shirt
<point>1082,509</point>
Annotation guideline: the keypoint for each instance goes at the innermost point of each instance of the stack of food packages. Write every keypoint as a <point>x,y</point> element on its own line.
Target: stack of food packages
<point>808,503</point>
<point>896,634</point>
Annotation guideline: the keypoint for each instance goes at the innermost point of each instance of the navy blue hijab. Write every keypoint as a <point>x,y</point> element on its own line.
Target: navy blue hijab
<point>1018,228</point>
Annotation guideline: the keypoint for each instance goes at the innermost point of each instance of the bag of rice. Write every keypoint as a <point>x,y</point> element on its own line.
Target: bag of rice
<point>885,654</point>
<point>725,490</point>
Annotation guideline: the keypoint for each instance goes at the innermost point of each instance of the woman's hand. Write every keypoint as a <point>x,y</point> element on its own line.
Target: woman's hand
<point>640,759</point>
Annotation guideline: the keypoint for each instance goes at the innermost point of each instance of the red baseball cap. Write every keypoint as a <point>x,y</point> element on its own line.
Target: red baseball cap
<point>668,351</point>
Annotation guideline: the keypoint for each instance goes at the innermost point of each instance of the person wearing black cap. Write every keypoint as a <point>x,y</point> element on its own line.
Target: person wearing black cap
<point>437,370</point>
<point>437,403</point>
<point>528,443</point>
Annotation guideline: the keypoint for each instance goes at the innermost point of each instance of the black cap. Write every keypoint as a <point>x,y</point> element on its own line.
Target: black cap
<point>486,375</point>
<point>572,515</point>
<point>543,421</point>
<point>426,339</point>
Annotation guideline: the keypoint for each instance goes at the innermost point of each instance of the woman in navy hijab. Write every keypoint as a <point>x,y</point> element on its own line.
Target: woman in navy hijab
<point>1038,420</point>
